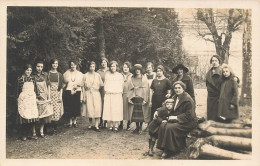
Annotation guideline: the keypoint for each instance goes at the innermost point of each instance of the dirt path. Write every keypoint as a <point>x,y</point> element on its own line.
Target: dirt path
<point>81,143</point>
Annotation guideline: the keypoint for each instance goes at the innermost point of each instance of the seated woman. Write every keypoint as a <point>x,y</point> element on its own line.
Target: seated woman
<point>182,119</point>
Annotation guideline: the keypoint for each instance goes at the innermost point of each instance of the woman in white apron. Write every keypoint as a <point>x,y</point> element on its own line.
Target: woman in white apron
<point>56,82</point>
<point>27,108</point>
<point>43,97</point>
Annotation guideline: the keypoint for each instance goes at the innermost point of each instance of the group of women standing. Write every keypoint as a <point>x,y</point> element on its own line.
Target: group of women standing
<point>108,98</point>
<point>39,99</point>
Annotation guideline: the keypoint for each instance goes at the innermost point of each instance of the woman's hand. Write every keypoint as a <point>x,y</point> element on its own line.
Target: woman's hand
<point>144,102</point>
<point>155,115</point>
<point>130,101</point>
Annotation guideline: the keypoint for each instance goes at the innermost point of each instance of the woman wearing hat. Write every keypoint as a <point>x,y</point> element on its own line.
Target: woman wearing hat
<point>161,87</point>
<point>181,72</point>
<point>213,83</point>
<point>138,98</point>
<point>182,119</point>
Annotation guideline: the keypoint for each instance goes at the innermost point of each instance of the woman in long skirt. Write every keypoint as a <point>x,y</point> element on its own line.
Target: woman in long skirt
<point>113,100</point>
<point>92,83</point>
<point>56,83</point>
<point>27,113</point>
<point>138,98</point>
<point>72,95</point>
<point>102,72</point>
<point>182,119</point>
<point>213,83</point>
<point>43,96</point>
<point>127,77</point>
<point>161,87</point>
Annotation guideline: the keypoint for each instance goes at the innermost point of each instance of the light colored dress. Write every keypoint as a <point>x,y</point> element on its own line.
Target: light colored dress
<point>126,113</point>
<point>92,83</point>
<point>113,100</point>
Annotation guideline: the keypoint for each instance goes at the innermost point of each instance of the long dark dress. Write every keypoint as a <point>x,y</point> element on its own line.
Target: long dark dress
<point>160,88</point>
<point>189,85</point>
<point>171,136</point>
<point>213,83</point>
<point>228,95</point>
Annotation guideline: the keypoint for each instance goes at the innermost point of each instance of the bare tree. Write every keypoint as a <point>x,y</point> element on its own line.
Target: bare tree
<point>220,24</point>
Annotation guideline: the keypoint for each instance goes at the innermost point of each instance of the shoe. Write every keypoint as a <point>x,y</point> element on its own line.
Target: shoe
<point>135,131</point>
<point>164,155</point>
<point>42,135</point>
<point>120,127</point>
<point>116,130</point>
<point>34,137</point>
<point>111,129</point>
<point>150,153</point>
<point>89,127</point>
<point>97,129</point>
<point>128,128</point>
<point>139,131</point>
<point>75,125</point>
<point>23,138</point>
<point>68,125</point>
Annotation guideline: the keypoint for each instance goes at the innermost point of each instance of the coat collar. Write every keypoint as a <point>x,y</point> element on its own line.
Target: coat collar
<point>182,98</point>
<point>210,74</point>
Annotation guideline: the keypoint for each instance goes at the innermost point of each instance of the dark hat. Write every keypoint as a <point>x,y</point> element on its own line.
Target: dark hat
<point>180,66</point>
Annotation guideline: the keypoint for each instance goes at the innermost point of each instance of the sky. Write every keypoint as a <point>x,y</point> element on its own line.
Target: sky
<point>196,46</point>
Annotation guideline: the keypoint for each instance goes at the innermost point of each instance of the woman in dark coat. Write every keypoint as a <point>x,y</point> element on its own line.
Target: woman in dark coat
<point>228,100</point>
<point>213,83</point>
<point>182,119</point>
<point>181,72</point>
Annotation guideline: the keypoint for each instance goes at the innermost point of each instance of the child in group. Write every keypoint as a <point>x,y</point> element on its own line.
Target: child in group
<point>228,100</point>
<point>160,116</point>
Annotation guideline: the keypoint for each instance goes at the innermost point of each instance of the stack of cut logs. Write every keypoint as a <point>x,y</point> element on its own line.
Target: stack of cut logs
<point>215,140</point>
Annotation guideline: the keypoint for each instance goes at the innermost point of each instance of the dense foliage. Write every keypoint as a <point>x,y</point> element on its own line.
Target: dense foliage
<point>138,35</point>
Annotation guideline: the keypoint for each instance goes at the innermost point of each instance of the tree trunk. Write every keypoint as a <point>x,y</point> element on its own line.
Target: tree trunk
<point>209,151</point>
<point>101,38</point>
<point>231,132</point>
<point>246,93</point>
<point>211,123</point>
<point>231,142</point>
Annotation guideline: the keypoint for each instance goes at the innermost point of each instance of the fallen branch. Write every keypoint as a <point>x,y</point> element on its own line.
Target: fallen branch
<point>231,132</point>
<point>211,123</point>
<point>201,148</point>
<point>231,142</point>
<point>217,153</point>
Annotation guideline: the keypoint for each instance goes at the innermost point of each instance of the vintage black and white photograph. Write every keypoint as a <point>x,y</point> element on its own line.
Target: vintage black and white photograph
<point>140,83</point>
